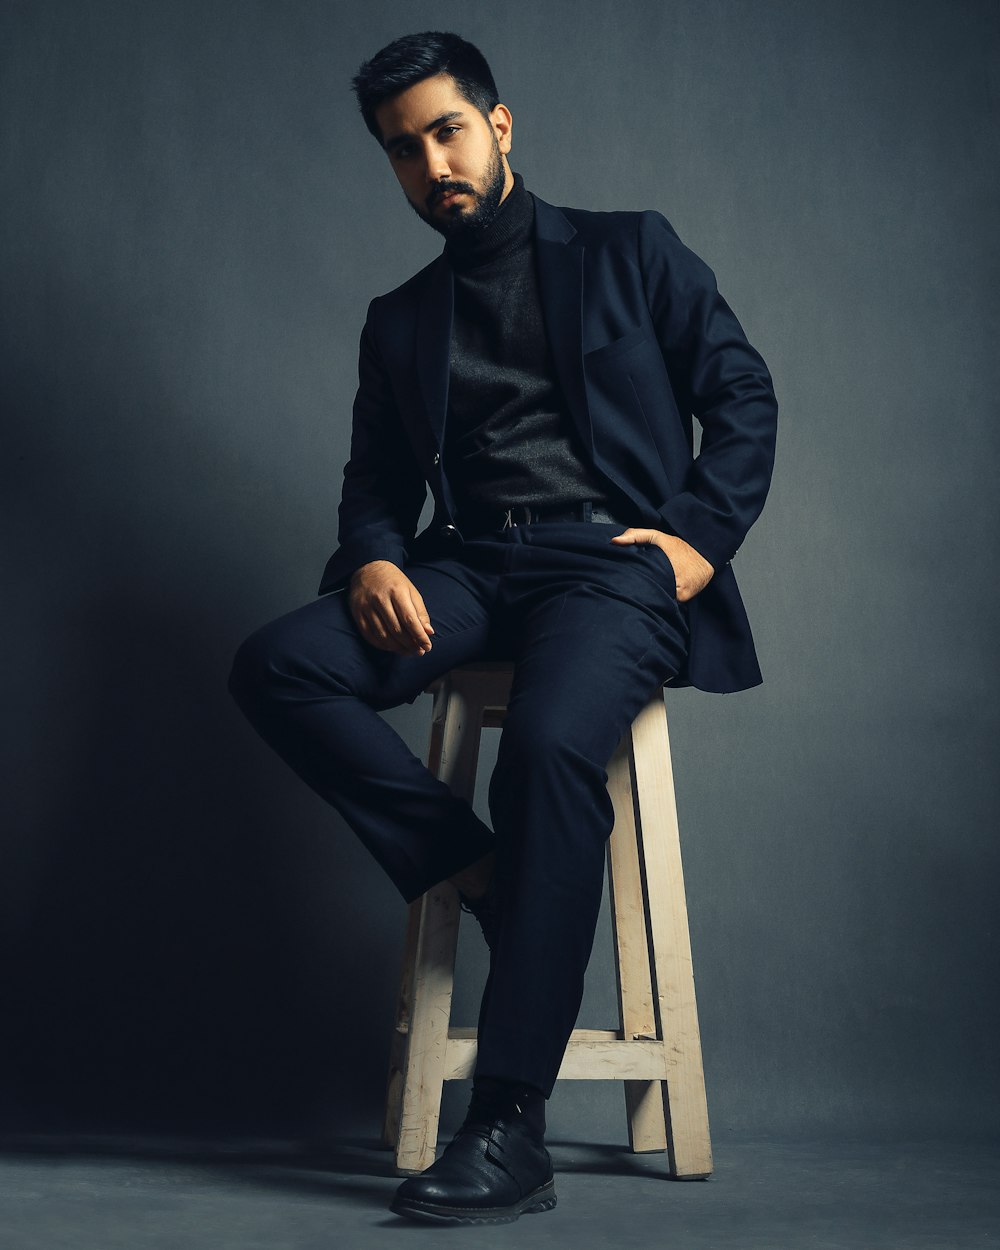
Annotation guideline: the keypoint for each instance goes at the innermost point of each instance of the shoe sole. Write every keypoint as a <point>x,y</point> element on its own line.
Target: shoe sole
<point>541,1199</point>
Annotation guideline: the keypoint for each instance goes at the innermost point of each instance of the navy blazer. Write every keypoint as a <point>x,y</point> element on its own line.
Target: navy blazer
<point>641,341</point>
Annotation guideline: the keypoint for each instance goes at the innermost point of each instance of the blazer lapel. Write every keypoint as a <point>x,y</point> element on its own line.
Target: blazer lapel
<point>434,344</point>
<point>560,289</point>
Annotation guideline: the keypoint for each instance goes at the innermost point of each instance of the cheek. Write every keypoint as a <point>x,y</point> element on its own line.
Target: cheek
<point>412,193</point>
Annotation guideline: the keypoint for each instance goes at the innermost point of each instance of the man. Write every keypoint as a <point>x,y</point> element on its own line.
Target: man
<point>540,376</point>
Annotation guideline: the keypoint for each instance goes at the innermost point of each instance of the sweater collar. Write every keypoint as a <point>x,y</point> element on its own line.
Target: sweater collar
<point>509,230</point>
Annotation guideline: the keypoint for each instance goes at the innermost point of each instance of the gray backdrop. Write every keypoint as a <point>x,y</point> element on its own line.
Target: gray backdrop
<point>194,221</point>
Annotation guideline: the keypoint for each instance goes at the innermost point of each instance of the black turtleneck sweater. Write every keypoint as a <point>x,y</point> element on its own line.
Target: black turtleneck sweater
<point>508,437</point>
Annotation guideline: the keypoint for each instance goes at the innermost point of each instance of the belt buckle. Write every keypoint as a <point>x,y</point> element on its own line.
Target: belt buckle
<point>510,523</point>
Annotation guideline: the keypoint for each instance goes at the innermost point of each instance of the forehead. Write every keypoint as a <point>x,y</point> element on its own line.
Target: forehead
<point>411,110</point>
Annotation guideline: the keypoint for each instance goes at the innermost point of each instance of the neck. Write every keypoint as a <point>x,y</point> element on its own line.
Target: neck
<point>508,230</point>
<point>510,181</point>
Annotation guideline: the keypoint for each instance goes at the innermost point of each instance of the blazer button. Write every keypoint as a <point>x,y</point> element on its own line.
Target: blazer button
<point>437,458</point>
<point>449,531</point>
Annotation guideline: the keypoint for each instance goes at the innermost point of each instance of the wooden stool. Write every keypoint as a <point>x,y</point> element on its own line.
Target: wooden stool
<point>656,1050</point>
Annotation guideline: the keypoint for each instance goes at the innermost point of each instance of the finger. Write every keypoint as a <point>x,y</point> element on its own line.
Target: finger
<point>391,633</point>
<point>409,617</point>
<point>421,610</point>
<point>633,535</point>
<point>407,623</point>
<point>362,619</point>
<point>414,631</point>
<point>372,632</point>
<point>399,638</point>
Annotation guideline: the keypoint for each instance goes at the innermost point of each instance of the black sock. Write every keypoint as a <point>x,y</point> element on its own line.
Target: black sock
<point>494,1096</point>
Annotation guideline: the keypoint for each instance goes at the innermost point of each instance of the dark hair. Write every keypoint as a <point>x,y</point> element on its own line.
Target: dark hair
<point>413,58</point>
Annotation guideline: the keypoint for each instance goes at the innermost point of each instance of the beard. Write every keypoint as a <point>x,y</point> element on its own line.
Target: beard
<point>457,222</point>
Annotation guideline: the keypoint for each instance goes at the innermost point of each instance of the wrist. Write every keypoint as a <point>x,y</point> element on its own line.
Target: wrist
<point>365,568</point>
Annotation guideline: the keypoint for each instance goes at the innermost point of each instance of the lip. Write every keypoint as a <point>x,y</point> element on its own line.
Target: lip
<point>447,199</point>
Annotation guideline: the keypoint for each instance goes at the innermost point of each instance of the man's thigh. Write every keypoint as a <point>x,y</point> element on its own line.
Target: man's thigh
<point>320,641</point>
<point>596,631</point>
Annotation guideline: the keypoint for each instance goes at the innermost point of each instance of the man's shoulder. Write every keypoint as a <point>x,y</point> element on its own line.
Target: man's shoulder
<point>641,236</point>
<point>595,222</point>
<point>603,225</point>
<point>413,287</point>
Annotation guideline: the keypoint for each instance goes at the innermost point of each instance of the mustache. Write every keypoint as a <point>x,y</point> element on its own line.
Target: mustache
<point>447,189</point>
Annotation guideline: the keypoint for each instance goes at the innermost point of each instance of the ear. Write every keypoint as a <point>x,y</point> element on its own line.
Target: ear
<point>502,123</point>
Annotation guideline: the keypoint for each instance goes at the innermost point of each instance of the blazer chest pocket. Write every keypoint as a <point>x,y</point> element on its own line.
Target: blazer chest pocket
<point>619,348</point>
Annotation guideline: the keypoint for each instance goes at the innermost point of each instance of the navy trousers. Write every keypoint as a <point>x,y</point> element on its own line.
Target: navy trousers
<point>594,630</point>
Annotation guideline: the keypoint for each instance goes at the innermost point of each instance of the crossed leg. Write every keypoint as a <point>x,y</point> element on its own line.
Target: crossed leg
<point>313,688</point>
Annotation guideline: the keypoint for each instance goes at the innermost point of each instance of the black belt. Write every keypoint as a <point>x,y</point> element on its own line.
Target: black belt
<point>480,522</point>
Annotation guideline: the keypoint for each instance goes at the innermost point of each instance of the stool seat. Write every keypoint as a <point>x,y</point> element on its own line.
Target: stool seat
<point>656,1048</point>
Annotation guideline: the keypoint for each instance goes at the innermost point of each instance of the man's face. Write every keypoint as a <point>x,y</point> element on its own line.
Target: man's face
<point>437,142</point>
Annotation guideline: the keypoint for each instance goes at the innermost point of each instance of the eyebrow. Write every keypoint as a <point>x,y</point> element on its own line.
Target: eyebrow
<point>396,140</point>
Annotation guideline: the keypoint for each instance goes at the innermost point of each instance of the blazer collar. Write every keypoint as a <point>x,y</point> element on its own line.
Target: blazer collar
<point>551,223</point>
<point>560,290</point>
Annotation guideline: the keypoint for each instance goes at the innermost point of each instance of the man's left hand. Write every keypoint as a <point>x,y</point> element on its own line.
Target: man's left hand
<point>692,572</point>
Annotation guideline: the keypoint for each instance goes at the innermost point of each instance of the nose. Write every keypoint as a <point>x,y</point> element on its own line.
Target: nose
<point>438,169</point>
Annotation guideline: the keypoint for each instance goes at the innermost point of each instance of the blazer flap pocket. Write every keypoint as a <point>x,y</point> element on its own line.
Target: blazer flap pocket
<point>619,347</point>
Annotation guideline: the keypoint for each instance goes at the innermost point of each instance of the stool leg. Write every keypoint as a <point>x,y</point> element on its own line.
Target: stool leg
<point>399,1047</point>
<point>429,965</point>
<point>636,1011</point>
<point>397,1050</point>
<point>689,1146</point>
<point>426,1044</point>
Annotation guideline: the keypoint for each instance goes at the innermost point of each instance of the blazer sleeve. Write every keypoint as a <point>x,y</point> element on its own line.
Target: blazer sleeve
<point>384,489</point>
<point>717,376</point>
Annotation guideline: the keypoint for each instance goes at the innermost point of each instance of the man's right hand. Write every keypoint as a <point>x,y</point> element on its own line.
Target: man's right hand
<point>388,609</point>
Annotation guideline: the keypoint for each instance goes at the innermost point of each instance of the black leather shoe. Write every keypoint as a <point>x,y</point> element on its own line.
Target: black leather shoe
<point>494,1169</point>
<point>486,912</point>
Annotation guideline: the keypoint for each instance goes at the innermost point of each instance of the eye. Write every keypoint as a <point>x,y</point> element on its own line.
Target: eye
<point>445,129</point>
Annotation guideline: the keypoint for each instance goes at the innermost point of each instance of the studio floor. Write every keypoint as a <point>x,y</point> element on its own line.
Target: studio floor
<point>115,1193</point>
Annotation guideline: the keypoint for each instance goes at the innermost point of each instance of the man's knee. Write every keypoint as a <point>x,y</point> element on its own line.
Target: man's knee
<point>306,652</point>
<point>550,785</point>
<point>252,666</point>
<point>266,660</point>
<point>543,752</point>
